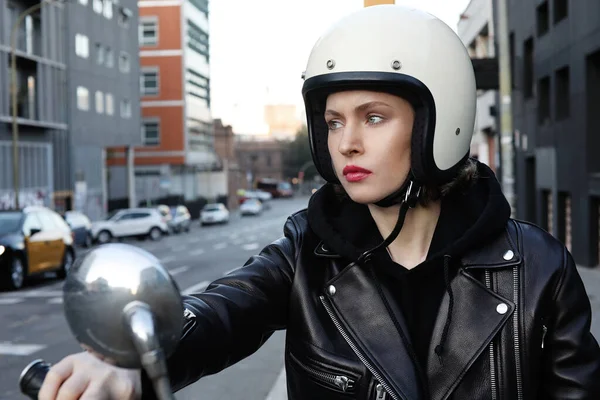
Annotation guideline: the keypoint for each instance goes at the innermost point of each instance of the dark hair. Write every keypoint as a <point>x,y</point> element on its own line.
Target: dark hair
<point>466,176</point>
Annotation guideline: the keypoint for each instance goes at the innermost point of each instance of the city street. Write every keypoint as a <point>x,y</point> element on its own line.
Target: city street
<point>33,325</point>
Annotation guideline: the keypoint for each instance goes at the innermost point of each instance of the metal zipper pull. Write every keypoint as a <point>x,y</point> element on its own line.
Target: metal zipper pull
<point>544,331</point>
<point>342,382</point>
<point>381,393</point>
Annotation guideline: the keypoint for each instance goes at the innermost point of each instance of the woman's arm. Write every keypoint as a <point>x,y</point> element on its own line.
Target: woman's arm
<point>235,315</point>
<point>571,354</point>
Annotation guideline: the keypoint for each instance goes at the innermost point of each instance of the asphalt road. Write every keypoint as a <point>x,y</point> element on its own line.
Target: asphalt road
<point>32,324</point>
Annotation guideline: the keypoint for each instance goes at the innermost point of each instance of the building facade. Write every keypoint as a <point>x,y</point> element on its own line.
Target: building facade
<point>103,88</point>
<point>177,135</point>
<point>41,65</point>
<point>259,157</point>
<point>555,56</point>
<point>476,30</point>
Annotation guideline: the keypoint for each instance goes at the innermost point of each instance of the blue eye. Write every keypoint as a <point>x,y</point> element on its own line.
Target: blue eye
<point>333,125</point>
<point>374,119</point>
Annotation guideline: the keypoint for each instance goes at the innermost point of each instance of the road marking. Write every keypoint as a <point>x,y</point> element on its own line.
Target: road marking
<point>251,237</point>
<point>195,240</point>
<point>279,389</point>
<point>10,300</point>
<point>197,288</point>
<point>197,252</point>
<point>40,293</point>
<point>10,349</point>
<point>179,270</point>
<point>167,259</point>
<point>220,246</point>
<point>56,300</point>
<point>237,242</point>
<point>250,246</point>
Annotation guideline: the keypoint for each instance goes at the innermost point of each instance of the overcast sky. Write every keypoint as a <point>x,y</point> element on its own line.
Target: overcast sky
<point>259,49</point>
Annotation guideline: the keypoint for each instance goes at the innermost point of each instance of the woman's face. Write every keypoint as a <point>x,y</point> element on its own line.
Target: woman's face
<point>369,142</point>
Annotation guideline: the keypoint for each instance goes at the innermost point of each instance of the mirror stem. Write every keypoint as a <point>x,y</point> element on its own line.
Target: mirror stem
<point>140,322</point>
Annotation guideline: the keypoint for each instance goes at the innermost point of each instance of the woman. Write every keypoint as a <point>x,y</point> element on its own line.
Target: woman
<point>458,301</point>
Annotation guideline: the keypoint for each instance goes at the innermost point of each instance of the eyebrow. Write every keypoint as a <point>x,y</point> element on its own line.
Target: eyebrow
<point>360,108</point>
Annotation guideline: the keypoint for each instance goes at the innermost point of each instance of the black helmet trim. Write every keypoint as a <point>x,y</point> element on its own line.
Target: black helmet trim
<point>316,89</point>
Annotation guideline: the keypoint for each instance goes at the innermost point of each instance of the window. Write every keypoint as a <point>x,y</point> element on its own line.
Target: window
<point>197,39</point>
<point>83,98</point>
<point>542,16</point>
<point>544,100</point>
<point>99,54</point>
<point>150,133</point>
<point>82,45</point>
<point>561,10</point>
<point>148,31</point>
<point>98,6</point>
<point>149,82</point>
<point>108,9</point>
<point>124,62</point>
<point>110,104</point>
<point>125,109</point>
<point>99,102</point>
<point>562,99</point>
<point>528,82</point>
<point>124,17</point>
<point>31,222</point>
<point>110,57</point>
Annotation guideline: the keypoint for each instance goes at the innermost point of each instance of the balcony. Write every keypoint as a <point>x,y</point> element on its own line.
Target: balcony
<point>29,33</point>
<point>27,104</point>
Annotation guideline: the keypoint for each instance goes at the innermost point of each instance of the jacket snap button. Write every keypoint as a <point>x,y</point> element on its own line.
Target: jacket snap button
<point>331,290</point>
<point>508,255</point>
<point>502,308</point>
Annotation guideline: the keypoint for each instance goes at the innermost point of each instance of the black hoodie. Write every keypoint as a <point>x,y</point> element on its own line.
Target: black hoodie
<point>467,220</point>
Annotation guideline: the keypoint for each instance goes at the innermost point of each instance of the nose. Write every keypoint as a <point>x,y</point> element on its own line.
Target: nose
<point>350,140</point>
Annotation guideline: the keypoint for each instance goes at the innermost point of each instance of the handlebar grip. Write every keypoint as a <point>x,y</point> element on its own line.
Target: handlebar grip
<point>32,377</point>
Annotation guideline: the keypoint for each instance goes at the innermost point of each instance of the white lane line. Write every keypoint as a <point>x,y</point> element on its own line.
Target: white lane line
<point>197,288</point>
<point>9,300</point>
<point>197,252</point>
<point>179,270</point>
<point>56,300</point>
<point>39,293</point>
<point>279,389</point>
<point>10,349</point>
<point>251,237</point>
<point>250,246</point>
<point>220,246</point>
<point>168,259</point>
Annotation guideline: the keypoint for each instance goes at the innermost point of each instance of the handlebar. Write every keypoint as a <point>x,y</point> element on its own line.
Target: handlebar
<point>32,377</point>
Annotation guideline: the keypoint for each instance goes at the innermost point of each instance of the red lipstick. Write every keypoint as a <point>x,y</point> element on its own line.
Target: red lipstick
<point>354,173</point>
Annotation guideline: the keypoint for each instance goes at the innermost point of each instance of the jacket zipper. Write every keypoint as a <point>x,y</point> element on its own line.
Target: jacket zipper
<point>381,393</point>
<point>341,382</point>
<point>488,284</point>
<point>516,333</point>
<point>544,332</point>
<point>354,348</point>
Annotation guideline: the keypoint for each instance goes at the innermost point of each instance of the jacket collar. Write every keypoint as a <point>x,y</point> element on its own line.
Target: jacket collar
<point>372,329</point>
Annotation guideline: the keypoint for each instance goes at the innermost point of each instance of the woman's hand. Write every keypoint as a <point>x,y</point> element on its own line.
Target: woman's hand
<point>84,376</point>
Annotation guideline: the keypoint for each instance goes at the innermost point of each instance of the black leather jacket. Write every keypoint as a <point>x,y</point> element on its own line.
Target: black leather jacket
<point>520,326</point>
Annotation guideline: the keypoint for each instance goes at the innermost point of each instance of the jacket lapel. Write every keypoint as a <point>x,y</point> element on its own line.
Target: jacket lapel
<point>478,316</point>
<point>365,319</point>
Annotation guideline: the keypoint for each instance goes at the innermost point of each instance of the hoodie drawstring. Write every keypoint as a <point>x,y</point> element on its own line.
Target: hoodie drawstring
<point>439,349</point>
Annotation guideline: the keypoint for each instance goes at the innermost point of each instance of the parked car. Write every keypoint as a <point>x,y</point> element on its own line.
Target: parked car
<point>33,241</point>
<point>165,211</point>
<point>214,213</point>
<point>81,226</point>
<point>251,207</point>
<point>131,222</point>
<point>180,219</point>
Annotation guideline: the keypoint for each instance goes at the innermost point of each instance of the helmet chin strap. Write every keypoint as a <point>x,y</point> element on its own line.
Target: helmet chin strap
<point>411,196</point>
<point>397,196</point>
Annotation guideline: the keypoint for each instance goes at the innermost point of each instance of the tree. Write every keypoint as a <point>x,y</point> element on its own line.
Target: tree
<point>296,154</point>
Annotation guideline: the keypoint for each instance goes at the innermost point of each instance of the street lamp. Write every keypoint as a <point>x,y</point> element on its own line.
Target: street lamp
<point>13,67</point>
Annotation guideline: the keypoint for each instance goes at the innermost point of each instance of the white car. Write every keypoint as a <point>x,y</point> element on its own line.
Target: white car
<point>251,207</point>
<point>214,213</point>
<point>137,222</point>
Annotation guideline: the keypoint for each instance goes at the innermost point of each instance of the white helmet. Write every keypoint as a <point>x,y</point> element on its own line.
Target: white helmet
<point>409,53</point>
